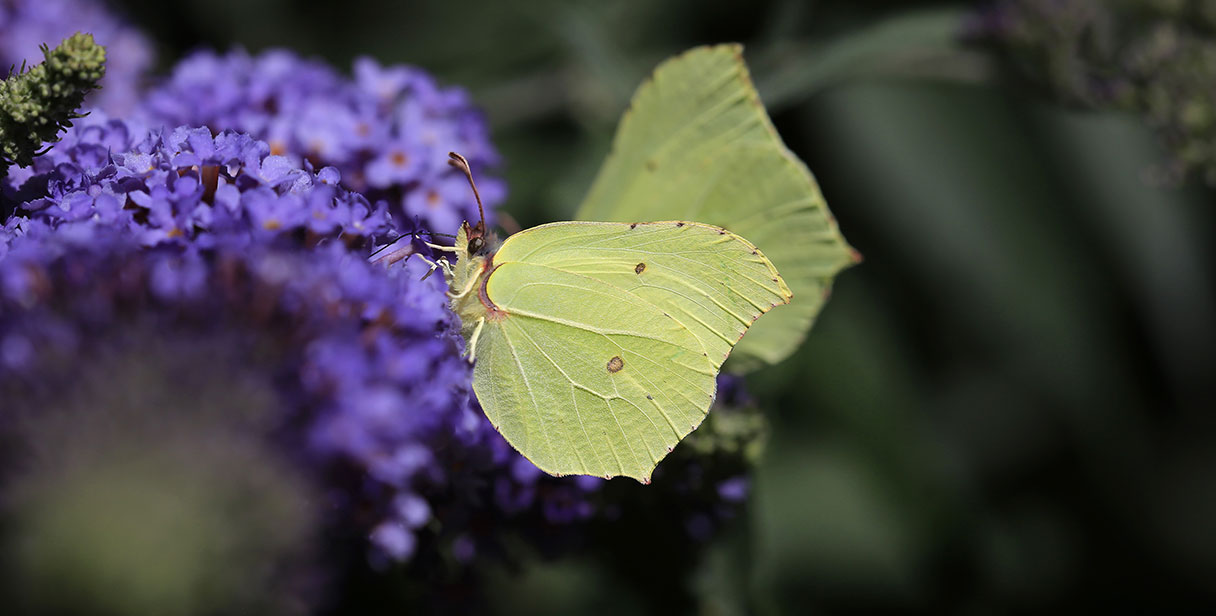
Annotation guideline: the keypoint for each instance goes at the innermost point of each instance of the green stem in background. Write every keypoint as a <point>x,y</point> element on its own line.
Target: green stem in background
<point>36,104</point>
<point>919,44</point>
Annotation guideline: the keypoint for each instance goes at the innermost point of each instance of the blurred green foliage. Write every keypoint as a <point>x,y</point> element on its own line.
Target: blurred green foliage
<point>1156,58</point>
<point>1006,408</point>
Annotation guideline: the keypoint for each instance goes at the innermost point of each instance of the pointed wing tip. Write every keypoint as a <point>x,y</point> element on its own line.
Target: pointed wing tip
<point>733,48</point>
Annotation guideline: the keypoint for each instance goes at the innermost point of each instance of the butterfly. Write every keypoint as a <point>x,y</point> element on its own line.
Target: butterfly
<point>597,344</point>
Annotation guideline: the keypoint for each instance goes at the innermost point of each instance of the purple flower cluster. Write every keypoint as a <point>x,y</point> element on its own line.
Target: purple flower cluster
<point>246,198</point>
<point>195,224</point>
<point>387,131</point>
<point>184,186</point>
<point>373,392</point>
<point>27,24</point>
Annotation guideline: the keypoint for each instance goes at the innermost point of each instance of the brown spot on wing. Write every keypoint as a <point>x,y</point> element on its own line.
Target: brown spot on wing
<point>615,364</point>
<point>639,268</point>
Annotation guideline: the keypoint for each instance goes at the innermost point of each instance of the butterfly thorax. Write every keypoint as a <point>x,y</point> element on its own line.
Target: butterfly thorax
<point>467,280</point>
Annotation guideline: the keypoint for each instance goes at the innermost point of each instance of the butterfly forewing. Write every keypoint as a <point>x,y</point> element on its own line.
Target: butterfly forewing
<point>696,144</point>
<point>790,222</point>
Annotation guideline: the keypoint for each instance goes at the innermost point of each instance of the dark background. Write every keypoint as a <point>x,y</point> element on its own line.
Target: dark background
<point>1006,408</point>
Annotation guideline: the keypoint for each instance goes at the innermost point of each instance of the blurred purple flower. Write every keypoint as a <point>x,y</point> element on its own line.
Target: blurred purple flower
<point>215,231</point>
<point>394,540</point>
<point>735,489</point>
<point>369,376</point>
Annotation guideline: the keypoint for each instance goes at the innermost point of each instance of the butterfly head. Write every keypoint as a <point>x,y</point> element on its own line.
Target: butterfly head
<point>475,238</point>
<point>477,242</point>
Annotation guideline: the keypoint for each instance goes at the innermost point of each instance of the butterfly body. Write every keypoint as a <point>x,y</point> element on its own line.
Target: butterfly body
<point>466,277</point>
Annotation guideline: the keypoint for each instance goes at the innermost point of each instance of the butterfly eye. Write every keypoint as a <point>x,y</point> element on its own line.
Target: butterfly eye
<point>475,245</point>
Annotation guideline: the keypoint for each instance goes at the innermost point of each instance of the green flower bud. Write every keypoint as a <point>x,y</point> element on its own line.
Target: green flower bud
<point>35,105</point>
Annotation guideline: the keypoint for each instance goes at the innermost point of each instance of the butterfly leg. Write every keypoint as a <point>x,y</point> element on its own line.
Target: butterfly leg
<point>441,263</point>
<point>441,247</point>
<point>471,350</point>
<point>434,266</point>
<point>469,287</point>
<point>445,265</point>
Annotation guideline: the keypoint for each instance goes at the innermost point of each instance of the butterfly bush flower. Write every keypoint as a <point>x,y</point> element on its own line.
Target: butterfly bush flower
<point>184,186</point>
<point>247,198</point>
<point>387,131</point>
<point>216,227</point>
<point>373,394</point>
<point>27,24</point>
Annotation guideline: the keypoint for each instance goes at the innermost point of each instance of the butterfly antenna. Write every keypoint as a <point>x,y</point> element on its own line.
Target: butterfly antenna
<point>390,243</point>
<point>462,163</point>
